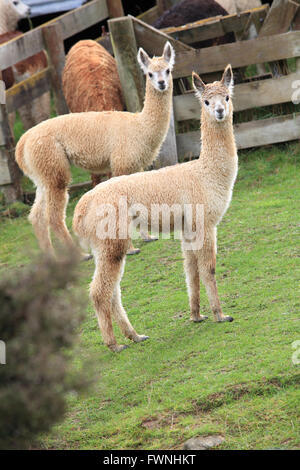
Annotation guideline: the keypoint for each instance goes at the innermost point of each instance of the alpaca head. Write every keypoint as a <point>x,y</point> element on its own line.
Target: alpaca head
<point>215,97</point>
<point>16,9</point>
<point>158,69</point>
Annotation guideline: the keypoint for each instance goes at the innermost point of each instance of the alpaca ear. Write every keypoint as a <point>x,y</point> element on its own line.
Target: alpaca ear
<point>169,54</point>
<point>227,78</point>
<point>143,60</point>
<point>198,85</point>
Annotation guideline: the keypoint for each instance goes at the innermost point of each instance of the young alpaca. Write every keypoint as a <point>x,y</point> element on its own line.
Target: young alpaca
<point>110,141</point>
<point>207,181</point>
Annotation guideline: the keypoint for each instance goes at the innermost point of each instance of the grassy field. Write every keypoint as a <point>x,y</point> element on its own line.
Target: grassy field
<point>235,379</point>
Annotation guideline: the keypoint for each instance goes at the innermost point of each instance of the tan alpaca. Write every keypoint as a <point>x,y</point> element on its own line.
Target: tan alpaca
<point>116,142</point>
<point>207,181</point>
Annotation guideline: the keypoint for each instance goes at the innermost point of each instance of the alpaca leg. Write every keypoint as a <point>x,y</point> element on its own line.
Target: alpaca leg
<point>57,203</point>
<point>146,237</point>
<point>120,315</point>
<point>39,219</point>
<point>132,250</point>
<point>207,270</point>
<point>102,288</point>
<point>193,284</point>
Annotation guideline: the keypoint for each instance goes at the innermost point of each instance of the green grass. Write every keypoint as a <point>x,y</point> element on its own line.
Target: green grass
<point>235,379</point>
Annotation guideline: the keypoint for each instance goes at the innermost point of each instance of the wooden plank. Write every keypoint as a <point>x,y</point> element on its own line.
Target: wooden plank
<point>247,134</point>
<point>153,40</point>
<point>278,21</point>
<point>31,88</point>
<point>268,131</point>
<point>149,16</point>
<point>115,8</point>
<point>211,28</point>
<point>105,42</point>
<point>7,156</point>
<point>4,170</point>
<point>71,23</point>
<point>279,18</point>
<point>56,55</point>
<point>168,152</point>
<point>125,51</point>
<point>246,96</point>
<point>239,54</point>
<point>198,31</point>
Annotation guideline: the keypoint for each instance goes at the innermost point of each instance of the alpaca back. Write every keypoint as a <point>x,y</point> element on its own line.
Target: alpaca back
<point>90,79</point>
<point>189,11</point>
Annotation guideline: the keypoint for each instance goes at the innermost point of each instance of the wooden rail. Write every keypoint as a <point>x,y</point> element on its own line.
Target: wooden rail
<point>246,96</point>
<point>71,23</point>
<point>212,28</point>
<point>239,54</point>
<point>247,134</point>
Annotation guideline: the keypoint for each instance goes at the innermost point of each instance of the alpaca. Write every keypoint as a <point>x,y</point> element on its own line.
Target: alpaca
<point>11,11</point>
<point>207,182</point>
<point>115,141</point>
<point>91,81</point>
<point>189,11</point>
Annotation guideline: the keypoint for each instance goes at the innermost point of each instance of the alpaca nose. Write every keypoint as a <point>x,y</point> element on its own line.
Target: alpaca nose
<point>161,84</point>
<point>220,112</point>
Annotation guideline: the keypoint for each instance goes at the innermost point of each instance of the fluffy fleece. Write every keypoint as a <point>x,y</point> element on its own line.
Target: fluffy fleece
<point>207,181</point>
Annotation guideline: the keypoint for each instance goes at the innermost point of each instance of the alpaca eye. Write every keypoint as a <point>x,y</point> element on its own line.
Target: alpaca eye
<point>206,102</point>
<point>167,71</point>
<point>15,3</point>
<point>227,98</point>
<point>150,74</point>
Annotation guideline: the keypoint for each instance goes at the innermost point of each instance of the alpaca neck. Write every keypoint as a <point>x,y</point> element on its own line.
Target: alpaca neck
<point>218,157</point>
<point>157,110</point>
<point>8,21</point>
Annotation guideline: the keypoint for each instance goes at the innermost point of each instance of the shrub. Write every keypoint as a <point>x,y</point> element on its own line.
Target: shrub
<point>39,319</point>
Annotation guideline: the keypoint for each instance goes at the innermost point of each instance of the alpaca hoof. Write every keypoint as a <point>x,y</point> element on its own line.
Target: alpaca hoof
<point>86,257</point>
<point>226,318</point>
<point>118,347</point>
<point>140,338</point>
<point>199,319</point>
<point>150,239</point>
<point>134,251</point>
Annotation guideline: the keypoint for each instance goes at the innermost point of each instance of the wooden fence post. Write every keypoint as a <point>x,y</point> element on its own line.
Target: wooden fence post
<point>125,52</point>
<point>278,20</point>
<point>115,8</point>
<point>10,175</point>
<point>54,45</point>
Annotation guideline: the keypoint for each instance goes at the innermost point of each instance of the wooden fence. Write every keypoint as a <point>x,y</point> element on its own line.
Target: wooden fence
<point>275,42</point>
<point>49,36</point>
<point>277,39</point>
